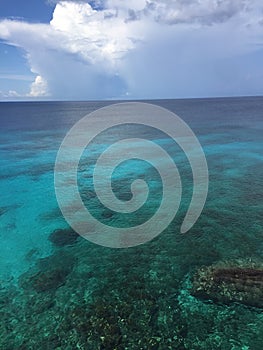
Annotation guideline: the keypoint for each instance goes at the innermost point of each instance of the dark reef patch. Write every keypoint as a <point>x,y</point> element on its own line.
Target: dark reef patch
<point>63,237</point>
<point>48,280</point>
<point>51,215</point>
<point>49,274</point>
<point>3,210</point>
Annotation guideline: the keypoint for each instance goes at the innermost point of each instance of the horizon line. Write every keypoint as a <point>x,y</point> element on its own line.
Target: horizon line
<point>130,100</point>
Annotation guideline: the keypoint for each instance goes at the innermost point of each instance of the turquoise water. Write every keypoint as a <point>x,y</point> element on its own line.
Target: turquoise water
<point>73,294</point>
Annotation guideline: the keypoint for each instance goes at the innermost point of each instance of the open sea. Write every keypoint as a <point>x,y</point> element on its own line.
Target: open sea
<point>198,290</point>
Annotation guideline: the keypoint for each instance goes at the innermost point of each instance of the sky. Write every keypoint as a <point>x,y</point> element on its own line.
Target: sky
<point>136,49</point>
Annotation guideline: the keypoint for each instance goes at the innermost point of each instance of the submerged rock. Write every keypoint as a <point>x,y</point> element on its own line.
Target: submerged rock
<point>230,282</point>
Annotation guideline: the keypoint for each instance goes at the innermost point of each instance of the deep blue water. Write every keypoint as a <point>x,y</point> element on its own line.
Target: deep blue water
<point>230,228</point>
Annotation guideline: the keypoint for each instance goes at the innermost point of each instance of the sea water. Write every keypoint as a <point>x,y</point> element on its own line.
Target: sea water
<point>136,296</point>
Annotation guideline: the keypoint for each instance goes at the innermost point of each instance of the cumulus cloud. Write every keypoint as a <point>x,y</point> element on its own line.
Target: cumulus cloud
<point>39,88</point>
<point>141,48</point>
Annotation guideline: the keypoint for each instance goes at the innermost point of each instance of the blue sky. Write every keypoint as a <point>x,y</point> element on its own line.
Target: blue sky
<point>114,49</point>
<point>31,10</point>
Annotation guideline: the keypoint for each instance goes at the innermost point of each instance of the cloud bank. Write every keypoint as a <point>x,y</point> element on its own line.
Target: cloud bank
<point>142,49</point>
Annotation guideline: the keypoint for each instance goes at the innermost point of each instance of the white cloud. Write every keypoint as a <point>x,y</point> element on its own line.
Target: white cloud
<point>153,48</point>
<point>189,11</point>
<point>88,33</point>
<point>39,88</point>
<point>9,95</point>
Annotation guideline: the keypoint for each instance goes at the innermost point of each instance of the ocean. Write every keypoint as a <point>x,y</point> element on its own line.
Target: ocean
<point>198,290</point>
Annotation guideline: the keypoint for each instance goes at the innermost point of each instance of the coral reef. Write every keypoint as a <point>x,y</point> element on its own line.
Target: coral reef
<point>125,299</point>
<point>239,281</point>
